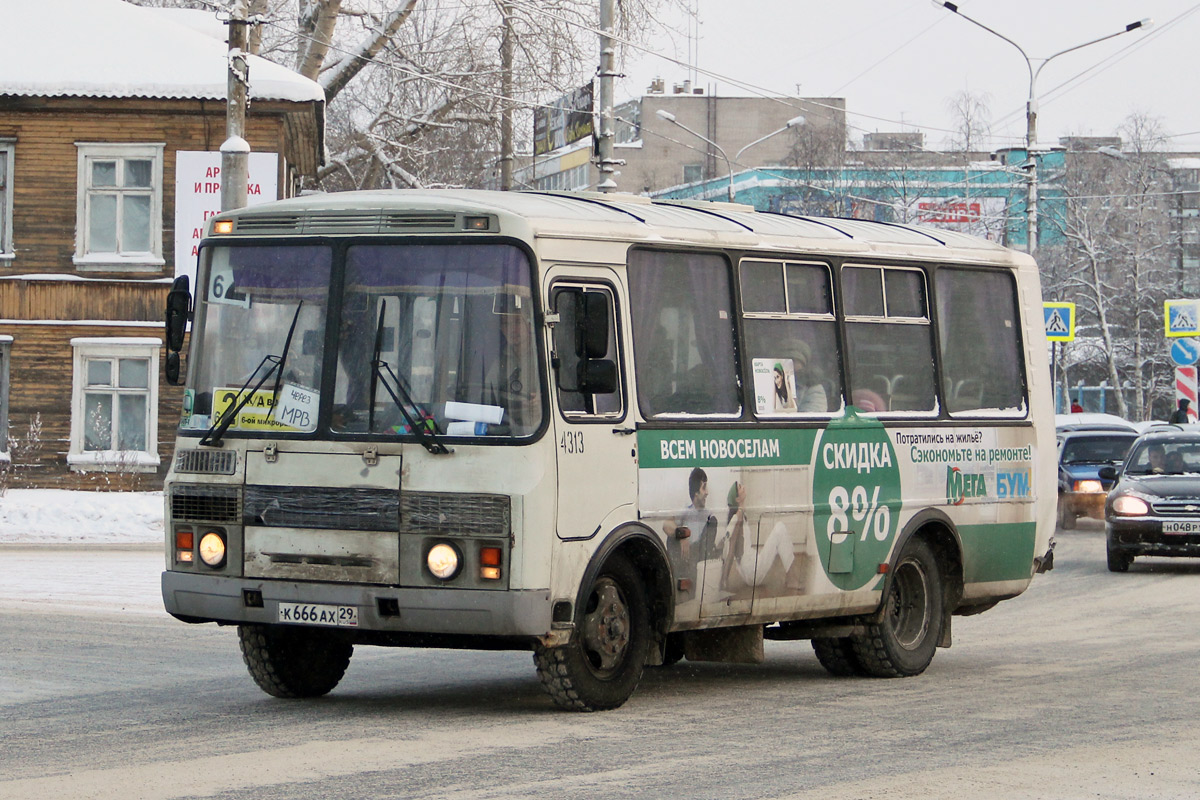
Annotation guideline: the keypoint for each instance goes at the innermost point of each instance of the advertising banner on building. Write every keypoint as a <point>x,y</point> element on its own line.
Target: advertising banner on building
<point>977,216</point>
<point>567,120</point>
<point>198,197</point>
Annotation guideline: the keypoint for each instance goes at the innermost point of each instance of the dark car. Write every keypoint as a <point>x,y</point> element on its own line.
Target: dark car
<point>1081,454</point>
<point>1154,509</point>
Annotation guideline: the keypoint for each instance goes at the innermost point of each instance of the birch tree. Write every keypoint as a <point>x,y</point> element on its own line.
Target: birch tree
<point>1115,262</point>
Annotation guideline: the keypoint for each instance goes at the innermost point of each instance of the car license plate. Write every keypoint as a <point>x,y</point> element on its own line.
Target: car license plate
<point>315,614</point>
<point>1181,526</point>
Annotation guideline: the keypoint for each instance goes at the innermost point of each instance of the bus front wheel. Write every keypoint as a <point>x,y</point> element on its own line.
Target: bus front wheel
<point>903,641</point>
<point>602,665</point>
<point>294,662</point>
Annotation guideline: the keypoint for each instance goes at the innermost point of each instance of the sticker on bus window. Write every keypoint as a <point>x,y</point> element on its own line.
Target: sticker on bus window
<point>296,412</point>
<point>221,288</point>
<point>774,386</point>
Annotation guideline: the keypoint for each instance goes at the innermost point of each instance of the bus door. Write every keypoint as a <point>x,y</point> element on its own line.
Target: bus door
<point>597,456</point>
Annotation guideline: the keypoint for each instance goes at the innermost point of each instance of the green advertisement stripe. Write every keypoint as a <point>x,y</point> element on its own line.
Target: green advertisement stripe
<point>997,552</point>
<point>661,449</point>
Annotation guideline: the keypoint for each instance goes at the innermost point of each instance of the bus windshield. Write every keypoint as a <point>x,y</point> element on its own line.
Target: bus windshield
<point>439,336</point>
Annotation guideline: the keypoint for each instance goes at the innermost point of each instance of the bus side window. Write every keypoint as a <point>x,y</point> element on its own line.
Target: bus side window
<point>979,341</point>
<point>683,334</point>
<point>791,337</point>
<point>888,336</point>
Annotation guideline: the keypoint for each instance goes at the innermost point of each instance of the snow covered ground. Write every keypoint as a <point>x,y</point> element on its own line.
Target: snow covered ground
<point>61,516</point>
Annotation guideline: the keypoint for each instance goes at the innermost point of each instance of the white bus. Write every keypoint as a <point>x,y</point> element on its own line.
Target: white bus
<point>612,431</point>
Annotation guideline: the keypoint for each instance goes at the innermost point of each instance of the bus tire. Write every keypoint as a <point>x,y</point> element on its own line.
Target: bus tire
<point>293,662</point>
<point>603,663</point>
<point>903,641</point>
<point>837,656</point>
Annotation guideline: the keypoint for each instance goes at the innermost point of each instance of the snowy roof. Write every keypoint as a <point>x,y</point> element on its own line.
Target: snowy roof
<point>109,48</point>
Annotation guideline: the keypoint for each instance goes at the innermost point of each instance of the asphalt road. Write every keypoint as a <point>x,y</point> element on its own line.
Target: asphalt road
<point>1084,687</point>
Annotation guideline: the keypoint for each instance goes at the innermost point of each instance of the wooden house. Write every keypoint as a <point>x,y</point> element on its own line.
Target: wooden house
<point>111,121</point>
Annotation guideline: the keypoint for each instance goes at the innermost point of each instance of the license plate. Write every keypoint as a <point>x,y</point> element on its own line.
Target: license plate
<point>1181,526</point>
<point>315,614</point>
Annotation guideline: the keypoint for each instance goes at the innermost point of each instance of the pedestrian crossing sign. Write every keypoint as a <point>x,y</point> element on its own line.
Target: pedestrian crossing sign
<point>1060,321</point>
<point>1182,318</point>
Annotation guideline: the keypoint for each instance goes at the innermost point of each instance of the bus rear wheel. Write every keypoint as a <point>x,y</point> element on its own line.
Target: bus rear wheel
<point>837,656</point>
<point>903,642</point>
<point>294,662</point>
<point>602,665</point>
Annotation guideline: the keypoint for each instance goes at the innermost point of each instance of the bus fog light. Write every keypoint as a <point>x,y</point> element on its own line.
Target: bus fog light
<point>212,549</point>
<point>183,556</point>
<point>443,561</point>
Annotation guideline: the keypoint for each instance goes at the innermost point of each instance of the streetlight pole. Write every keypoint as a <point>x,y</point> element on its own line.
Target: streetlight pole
<point>1031,106</point>
<point>663,114</point>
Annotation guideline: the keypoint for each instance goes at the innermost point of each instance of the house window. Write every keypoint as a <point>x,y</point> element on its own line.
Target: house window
<point>114,405</point>
<point>119,207</point>
<point>693,173</point>
<point>6,198</point>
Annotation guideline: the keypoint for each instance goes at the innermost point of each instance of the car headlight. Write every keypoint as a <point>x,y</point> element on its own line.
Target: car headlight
<point>212,549</point>
<point>1089,486</point>
<point>1129,506</point>
<point>443,561</point>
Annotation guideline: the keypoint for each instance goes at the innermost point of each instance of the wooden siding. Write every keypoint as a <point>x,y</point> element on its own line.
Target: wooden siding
<point>83,300</point>
<point>45,167</point>
<point>40,372</point>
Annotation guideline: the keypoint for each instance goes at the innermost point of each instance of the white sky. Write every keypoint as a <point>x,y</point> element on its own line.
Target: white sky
<point>897,62</point>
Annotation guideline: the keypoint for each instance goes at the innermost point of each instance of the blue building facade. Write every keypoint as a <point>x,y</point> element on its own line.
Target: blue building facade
<point>983,198</point>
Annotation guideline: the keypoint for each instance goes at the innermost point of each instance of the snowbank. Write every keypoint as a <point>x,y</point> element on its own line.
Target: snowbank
<point>60,516</point>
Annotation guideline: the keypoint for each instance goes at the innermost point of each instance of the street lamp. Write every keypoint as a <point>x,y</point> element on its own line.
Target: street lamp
<point>663,114</point>
<point>1031,107</point>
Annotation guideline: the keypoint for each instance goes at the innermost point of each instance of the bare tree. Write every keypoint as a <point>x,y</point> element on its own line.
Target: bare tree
<point>972,120</point>
<point>1115,262</point>
<point>414,88</point>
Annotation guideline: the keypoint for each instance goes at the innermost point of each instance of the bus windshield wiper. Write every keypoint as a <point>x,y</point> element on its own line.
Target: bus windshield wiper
<point>427,436</point>
<point>212,438</point>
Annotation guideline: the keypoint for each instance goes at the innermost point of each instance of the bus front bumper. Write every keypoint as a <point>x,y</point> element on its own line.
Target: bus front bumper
<point>210,598</point>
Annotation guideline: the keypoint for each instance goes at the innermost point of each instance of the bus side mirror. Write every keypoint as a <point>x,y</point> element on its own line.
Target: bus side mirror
<point>171,368</point>
<point>591,324</point>
<point>597,376</point>
<point>179,302</point>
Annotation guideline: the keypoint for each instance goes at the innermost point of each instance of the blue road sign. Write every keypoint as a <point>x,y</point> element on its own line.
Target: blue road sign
<point>1184,352</point>
<point>1060,321</point>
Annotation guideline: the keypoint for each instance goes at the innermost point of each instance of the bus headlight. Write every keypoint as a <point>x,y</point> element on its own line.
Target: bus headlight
<point>443,561</point>
<point>212,549</point>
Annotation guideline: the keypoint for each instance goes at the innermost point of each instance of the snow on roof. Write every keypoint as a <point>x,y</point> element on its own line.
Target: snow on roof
<point>109,48</point>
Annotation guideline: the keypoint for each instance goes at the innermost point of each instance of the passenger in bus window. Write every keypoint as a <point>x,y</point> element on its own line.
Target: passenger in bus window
<point>810,393</point>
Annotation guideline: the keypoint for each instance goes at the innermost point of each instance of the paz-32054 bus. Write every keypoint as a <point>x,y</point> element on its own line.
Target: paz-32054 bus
<point>612,431</point>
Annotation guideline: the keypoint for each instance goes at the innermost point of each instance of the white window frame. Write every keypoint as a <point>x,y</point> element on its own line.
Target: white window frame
<point>134,261</point>
<point>81,460</point>
<point>5,373</point>
<point>7,158</point>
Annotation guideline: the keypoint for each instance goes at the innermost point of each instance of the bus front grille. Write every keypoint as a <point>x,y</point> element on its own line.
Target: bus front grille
<point>203,503</point>
<point>450,514</point>
<point>206,462</point>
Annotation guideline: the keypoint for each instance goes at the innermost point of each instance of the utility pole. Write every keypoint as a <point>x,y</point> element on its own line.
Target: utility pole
<point>606,134</point>
<point>506,106</point>
<point>235,151</point>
